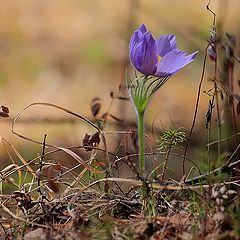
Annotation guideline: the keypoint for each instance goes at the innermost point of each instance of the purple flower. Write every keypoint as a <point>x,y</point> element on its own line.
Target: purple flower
<point>159,57</point>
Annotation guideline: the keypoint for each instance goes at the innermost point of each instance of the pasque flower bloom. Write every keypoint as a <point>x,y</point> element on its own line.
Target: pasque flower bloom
<point>160,57</point>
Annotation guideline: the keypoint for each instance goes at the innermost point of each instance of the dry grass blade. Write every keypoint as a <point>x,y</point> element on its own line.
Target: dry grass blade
<point>80,176</point>
<point>54,106</point>
<point>50,105</point>
<point>79,159</point>
<point>188,187</point>
<point>68,151</point>
<point>9,168</point>
<point>20,157</point>
<point>136,183</point>
<point>7,171</point>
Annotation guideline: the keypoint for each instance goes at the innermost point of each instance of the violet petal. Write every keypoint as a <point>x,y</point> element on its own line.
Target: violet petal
<point>173,62</point>
<point>166,44</point>
<point>142,28</point>
<point>144,55</point>
<point>136,38</point>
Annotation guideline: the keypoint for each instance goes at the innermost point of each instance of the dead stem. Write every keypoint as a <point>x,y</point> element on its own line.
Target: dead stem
<point>195,112</point>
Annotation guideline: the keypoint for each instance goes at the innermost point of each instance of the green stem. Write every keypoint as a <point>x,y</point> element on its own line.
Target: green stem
<point>141,144</point>
<point>142,161</point>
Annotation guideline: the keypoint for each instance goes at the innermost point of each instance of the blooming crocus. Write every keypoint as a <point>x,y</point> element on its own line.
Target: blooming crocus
<point>157,59</point>
<point>160,57</point>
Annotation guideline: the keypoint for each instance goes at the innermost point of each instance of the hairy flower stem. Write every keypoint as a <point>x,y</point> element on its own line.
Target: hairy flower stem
<point>142,159</point>
<point>141,144</point>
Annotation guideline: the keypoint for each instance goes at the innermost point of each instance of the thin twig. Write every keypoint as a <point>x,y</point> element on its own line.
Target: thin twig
<point>223,169</point>
<point>195,112</point>
<point>41,162</point>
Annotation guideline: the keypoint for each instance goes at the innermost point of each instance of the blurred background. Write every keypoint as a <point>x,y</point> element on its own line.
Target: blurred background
<point>68,52</point>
